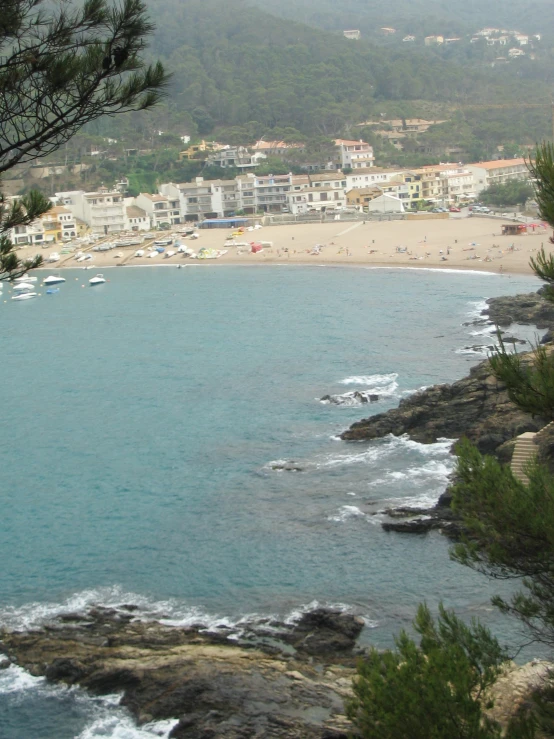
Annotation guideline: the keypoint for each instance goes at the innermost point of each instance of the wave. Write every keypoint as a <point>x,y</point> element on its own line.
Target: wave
<point>370,380</point>
<point>478,309</point>
<point>347,511</point>
<point>103,715</point>
<point>386,447</point>
<point>476,351</point>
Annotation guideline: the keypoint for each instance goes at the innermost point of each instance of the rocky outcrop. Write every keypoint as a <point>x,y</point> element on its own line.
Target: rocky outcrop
<point>476,406</point>
<point>529,310</point>
<point>440,517</point>
<point>281,681</point>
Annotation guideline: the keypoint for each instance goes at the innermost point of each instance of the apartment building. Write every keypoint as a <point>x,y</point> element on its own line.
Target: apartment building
<point>371,176</point>
<point>354,154</point>
<point>500,171</point>
<point>236,157</point>
<point>321,191</point>
<point>103,211</point>
<point>163,211</point>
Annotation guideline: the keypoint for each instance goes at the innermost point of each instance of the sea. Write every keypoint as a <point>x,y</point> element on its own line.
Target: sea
<point>165,444</point>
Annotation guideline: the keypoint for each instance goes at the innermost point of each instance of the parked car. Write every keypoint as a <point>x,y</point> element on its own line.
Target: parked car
<point>454,209</point>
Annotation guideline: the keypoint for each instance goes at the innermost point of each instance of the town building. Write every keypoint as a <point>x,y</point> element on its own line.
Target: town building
<point>496,172</point>
<point>163,211</point>
<point>237,157</point>
<point>136,219</point>
<point>354,154</point>
<point>103,211</point>
<point>319,192</point>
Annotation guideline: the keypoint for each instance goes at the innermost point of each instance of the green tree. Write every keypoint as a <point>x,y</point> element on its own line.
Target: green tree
<point>510,523</point>
<point>59,70</point>
<point>513,192</point>
<point>436,690</point>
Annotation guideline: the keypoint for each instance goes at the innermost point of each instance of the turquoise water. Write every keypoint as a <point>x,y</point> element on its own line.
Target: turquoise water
<point>141,419</point>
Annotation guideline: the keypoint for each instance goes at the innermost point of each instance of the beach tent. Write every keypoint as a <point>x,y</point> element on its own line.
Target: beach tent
<point>255,247</point>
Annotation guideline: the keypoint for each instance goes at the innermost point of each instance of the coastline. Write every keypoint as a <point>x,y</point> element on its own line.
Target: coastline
<point>454,244</point>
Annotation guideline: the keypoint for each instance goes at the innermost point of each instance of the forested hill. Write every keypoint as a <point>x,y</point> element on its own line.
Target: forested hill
<point>233,63</point>
<point>421,17</point>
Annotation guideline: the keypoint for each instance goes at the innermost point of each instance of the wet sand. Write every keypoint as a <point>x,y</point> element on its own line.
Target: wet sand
<point>454,243</point>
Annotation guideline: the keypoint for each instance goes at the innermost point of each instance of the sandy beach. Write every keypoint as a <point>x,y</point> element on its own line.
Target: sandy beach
<point>472,243</point>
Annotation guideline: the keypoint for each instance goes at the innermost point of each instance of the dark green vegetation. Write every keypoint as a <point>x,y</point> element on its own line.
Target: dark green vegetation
<point>514,192</point>
<point>58,71</point>
<point>240,73</point>
<point>436,690</point>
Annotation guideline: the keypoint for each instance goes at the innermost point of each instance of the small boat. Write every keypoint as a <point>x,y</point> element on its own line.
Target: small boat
<point>98,280</point>
<point>54,257</point>
<point>139,253</point>
<point>25,278</point>
<point>53,280</point>
<point>53,290</point>
<point>169,253</point>
<point>23,287</point>
<point>24,296</point>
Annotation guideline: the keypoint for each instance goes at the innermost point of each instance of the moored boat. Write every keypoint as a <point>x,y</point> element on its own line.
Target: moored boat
<point>98,280</point>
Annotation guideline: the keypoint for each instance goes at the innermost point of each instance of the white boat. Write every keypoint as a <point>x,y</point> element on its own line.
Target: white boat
<point>53,280</point>
<point>24,296</point>
<point>169,254</point>
<point>25,278</point>
<point>139,253</point>
<point>98,280</point>
<point>153,254</point>
<point>23,287</point>
<point>54,257</point>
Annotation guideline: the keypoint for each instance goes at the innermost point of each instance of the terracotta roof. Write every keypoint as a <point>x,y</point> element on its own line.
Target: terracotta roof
<point>155,198</point>
<point>133,211</point>
<point>498,163</point>
<point>57,209</point>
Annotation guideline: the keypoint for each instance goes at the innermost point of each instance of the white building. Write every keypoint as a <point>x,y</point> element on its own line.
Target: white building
<point>163,211</point>
<point>353,35</point>
<point>136,219</point>
<point>102,211</point>
<point>322,191</point>
<point>236,157</point>
<point>355,154</point>
<point>372,176</point>
<point>500,171</point>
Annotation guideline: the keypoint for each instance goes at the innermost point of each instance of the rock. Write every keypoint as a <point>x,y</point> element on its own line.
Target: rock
<point>417,526</point>
<point>476,406</point>
<point>4,663</point>
<point>291,466</point>
<point>65,670</point>
<point>325,631</point>
<point>215,687</point>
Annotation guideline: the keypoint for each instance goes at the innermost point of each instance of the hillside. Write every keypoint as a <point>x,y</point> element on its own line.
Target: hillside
<point>234,63</point>
<point>422,17</point>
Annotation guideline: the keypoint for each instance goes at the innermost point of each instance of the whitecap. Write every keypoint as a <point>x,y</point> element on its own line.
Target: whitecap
<point>15,679</point>
<point>345,512</point>
<point>370,380</point>
<point>123,727</point>
<point>383,448</point>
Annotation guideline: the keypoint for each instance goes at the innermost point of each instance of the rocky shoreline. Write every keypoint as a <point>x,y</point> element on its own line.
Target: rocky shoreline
<point>477,406</point>
<point>274,680</point>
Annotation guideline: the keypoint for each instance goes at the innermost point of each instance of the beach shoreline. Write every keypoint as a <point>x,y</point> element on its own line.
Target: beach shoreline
<point>454,244</point>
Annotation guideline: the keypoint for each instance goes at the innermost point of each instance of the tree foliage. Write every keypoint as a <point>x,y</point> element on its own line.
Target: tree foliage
<point>61,68</point>
<point>510,533</point>
<point>436,690</point>
<point>513,192</point>
<point>510,523</point>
